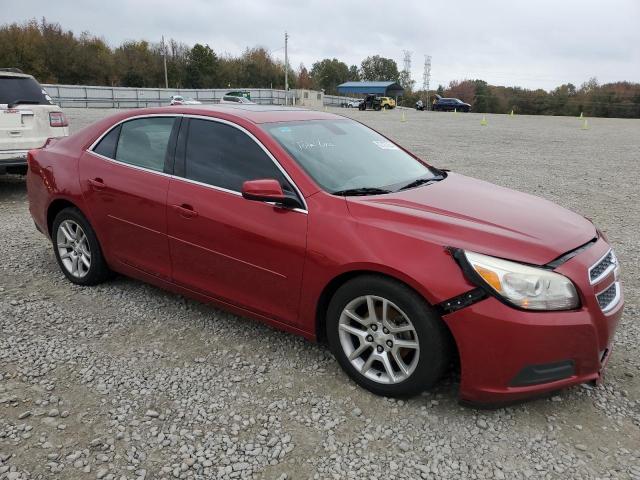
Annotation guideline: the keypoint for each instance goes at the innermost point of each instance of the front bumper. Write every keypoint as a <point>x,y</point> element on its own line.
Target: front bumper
<point>508,355</point>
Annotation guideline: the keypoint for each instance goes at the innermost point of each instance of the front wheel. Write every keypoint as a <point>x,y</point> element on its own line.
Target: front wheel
<point>386,337</point>
<point>77,249</point>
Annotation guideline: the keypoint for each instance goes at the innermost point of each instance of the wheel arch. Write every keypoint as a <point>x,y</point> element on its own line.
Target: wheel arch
<point>55,207</point>
<point>335,283</point>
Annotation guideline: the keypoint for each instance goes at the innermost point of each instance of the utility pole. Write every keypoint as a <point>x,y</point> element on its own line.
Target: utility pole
<point>286,69</point>
<point>406,71</point>
<point>426,78</point>
<point>164,59</point>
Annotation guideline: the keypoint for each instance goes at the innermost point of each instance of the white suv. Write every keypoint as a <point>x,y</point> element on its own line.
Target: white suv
<point>28,118</point>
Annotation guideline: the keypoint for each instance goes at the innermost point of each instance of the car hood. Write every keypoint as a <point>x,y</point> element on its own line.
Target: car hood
<point>472,214</point>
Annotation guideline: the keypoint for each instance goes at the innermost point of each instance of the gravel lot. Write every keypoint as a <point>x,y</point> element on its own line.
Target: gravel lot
<point>126,381</point>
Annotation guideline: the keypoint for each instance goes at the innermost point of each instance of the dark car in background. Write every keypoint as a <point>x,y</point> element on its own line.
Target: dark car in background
<point>450,104</point>
<point>370,102</point>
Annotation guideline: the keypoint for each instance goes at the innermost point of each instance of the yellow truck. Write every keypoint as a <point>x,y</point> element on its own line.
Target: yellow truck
<point>387,102</point>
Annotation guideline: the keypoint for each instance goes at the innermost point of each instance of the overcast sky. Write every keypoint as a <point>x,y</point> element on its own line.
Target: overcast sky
<point>534,44</point>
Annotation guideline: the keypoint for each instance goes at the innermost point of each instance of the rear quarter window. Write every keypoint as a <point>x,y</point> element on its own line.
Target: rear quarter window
<point>107,146</point>
<point>26,89</point>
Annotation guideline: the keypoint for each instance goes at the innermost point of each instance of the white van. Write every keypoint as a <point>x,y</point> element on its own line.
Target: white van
<point>28,118</point>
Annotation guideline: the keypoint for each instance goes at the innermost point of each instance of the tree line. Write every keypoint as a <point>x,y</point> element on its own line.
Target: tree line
<point>55,55</point>
<point>617,99</point>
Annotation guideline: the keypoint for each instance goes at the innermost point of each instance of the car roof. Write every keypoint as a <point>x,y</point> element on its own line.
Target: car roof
<point>6,73</point>
<point>252,112</point>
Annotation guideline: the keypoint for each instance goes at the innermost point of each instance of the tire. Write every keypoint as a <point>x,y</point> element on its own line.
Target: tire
<point>73,240</point>
<point>424,365</point>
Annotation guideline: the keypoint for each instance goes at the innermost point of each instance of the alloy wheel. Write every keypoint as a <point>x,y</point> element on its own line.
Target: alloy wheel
<point>379,339</point>
<point>73,248</point>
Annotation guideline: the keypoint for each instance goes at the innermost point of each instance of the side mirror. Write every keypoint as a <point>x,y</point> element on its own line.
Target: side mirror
<point>268,190</point>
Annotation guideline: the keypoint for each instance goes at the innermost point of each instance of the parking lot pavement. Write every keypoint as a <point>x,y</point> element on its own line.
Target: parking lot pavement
<point>125,380</point>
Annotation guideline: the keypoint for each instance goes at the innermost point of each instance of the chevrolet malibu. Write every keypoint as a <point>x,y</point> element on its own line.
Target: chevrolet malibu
<point>320,226</point>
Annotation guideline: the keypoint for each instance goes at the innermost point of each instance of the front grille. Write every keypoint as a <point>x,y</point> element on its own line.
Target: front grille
<point>600,269</point>
<point>608,297</point>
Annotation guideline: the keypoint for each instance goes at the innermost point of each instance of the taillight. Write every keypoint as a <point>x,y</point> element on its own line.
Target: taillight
<point>57,119</point>
<point>30,160</point>
<point>50,141</point>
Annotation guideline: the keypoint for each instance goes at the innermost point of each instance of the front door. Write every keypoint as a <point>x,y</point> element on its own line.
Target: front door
<point>247,253</point>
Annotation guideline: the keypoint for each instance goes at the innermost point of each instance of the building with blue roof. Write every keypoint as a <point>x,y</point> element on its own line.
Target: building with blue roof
<point>382,89</point>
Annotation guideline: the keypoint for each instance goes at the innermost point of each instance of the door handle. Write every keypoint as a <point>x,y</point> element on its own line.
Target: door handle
<point>185,210</point>
<point>97,183</point>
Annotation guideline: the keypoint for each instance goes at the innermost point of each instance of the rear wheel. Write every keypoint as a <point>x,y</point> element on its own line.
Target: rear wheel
<point>77,249</point>
<point>386,337</point>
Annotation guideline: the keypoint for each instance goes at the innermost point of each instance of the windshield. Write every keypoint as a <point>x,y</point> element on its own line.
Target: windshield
<point>24,89</point>
<point>343,155</point>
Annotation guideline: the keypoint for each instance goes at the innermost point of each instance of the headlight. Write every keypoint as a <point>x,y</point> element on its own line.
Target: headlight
<point>524,286</point>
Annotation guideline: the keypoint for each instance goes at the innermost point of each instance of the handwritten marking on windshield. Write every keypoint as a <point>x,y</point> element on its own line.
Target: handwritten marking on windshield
<point>317,144</point>
<point>384,145</point>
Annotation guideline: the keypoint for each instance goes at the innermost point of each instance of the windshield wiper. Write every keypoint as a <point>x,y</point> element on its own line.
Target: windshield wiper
<point>361,191</point>
<point>421,181</point>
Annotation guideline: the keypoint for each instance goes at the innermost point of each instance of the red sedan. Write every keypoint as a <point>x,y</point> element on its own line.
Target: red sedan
<point>320,226</point>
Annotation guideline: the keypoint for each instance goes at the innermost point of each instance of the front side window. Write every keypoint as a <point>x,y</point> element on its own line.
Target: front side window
<point>344,155</point>
<point>223,156</point>
<point>143,142</point>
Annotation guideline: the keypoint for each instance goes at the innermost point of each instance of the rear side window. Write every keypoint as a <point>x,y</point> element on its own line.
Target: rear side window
<point>223,156</point>
<point>143,142</point>
<point>25,89</point>
<point>107,146</point>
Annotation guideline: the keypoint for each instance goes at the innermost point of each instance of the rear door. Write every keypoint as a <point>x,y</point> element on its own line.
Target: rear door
<point>125,180</point>
<point>246,253</point>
